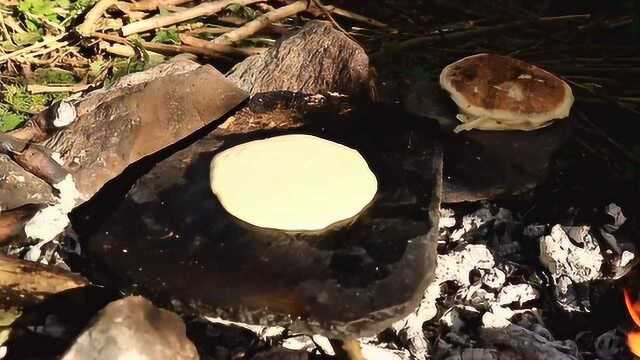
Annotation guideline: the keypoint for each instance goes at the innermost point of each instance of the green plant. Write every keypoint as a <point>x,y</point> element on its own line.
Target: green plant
<point>167,36</point>
<point>10,120</point>
<point>19,99</point>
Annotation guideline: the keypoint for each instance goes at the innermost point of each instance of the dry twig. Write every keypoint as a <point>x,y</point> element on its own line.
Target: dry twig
<point>205,9</point>
<point>166,49</point>
<point>89,24</point>
<point>261,22</point>
<point>221,48</point>
<point>39,89</point>
<point>148,5</point>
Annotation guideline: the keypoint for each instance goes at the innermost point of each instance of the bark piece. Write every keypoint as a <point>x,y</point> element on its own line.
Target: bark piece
<point>347,283</point>
<point>25,283</point>
<point>121,130</point>
<point>316,59</point>
<point>132,328</point>
<point>12,222</point>
<point>19,187</point>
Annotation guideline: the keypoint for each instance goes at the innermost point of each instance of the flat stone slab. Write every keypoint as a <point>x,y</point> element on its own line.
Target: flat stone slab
<point>170,238</point>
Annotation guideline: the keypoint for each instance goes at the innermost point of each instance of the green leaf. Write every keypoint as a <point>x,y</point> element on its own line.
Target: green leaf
<point>167,36</point>
<point>10,120</point>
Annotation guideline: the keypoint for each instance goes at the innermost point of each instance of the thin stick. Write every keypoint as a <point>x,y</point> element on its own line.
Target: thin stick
<point>261,22</point>
<point>39,89</point>
<point>166,49</point>
<point>221,48</point>
<point>89,24</point>
<point>147,5</point>
<point>332,20</point>
<point>205,9</point>
<point>356,17</point>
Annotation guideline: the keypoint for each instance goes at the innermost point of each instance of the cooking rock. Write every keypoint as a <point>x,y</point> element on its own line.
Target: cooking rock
<point>171,239</point>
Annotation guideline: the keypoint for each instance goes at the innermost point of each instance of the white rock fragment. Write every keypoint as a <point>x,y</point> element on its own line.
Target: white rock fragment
<point>457,265</point>
<point>562,258</point>
<point>519,293</point>
<point>65,114</point>
<point>49,222</point>
<point>494,278</point>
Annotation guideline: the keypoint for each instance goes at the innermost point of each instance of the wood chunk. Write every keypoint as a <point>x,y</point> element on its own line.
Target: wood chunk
<point>25,283</point>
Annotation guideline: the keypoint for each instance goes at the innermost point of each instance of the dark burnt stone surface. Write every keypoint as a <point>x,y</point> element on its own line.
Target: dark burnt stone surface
<point>170,238</point>
<point>485,164</point>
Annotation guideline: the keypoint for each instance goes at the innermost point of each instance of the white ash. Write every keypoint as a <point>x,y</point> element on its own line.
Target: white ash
<point>376,352</point>
<point>497,317</point>
<point>457,265</point>
<point>494,278</point>
<point>479,218</point>
<point>447,219</point>
<point>52,220</point>
<point>563,258</point>
<point>520,293</point>
<point>523,343</point>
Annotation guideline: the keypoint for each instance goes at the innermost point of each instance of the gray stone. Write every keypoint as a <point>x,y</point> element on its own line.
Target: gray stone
<point>132,328</point>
